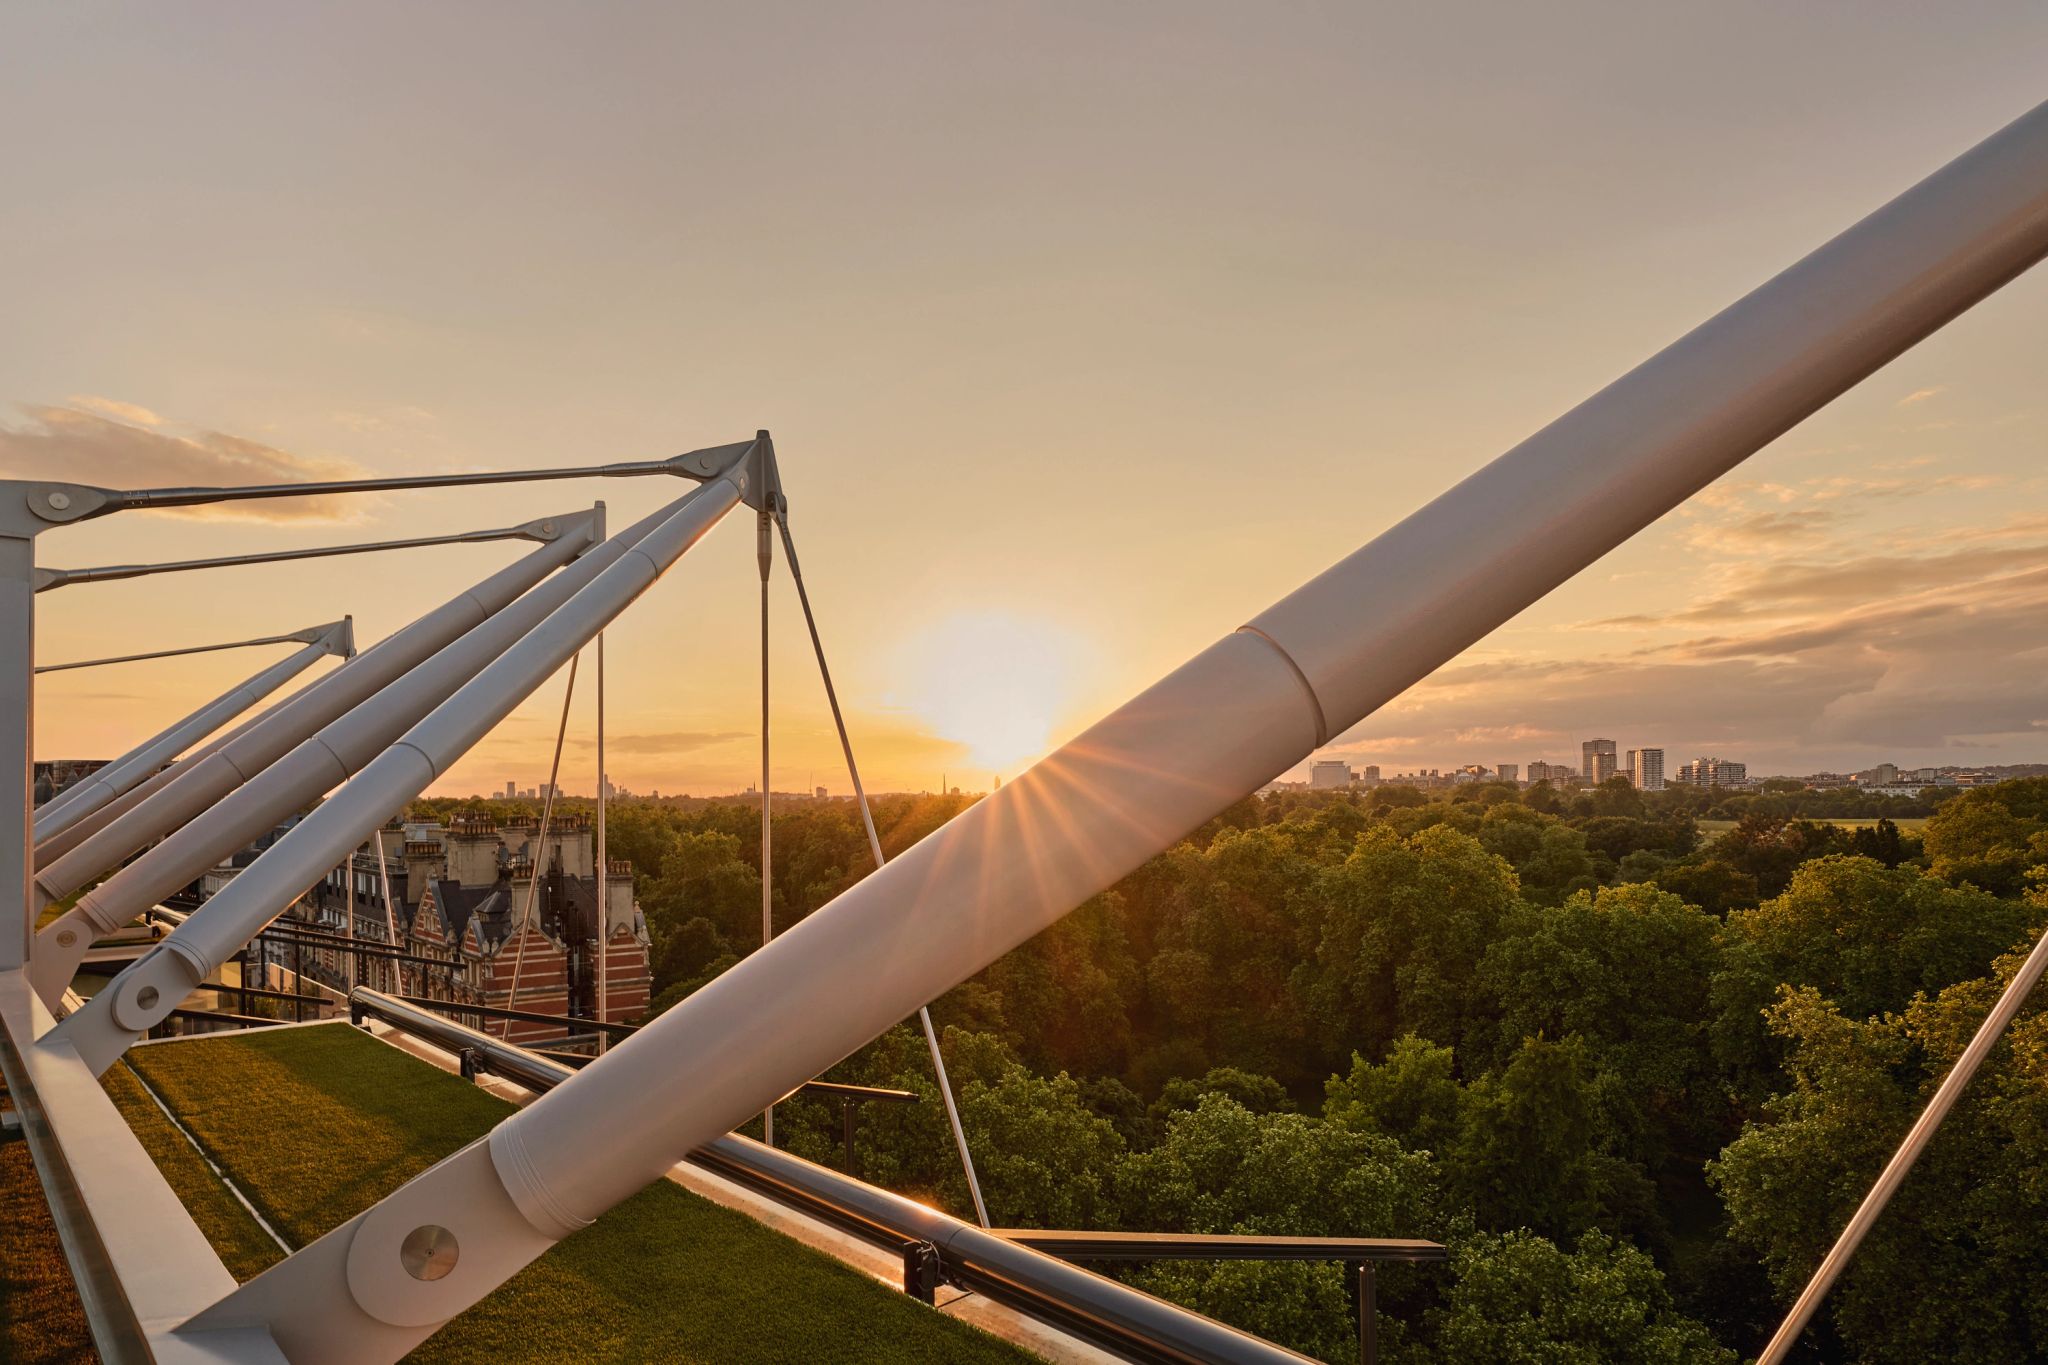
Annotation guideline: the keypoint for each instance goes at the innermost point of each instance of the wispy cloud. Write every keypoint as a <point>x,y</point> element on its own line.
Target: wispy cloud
<point>132,413</point>
<point>666,742</point>
<point>120,445</point>
<point>1922,395</point>
<point>1807,642</point>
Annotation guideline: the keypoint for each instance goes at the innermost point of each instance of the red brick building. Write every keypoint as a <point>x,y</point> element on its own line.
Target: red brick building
<point>466,898</point>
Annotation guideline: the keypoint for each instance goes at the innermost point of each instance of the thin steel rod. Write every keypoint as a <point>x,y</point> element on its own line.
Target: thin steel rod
<point>540,842</point>
<point>604,915</point>
<point>348,923</point>
<point>384,889</point>
<point>764,553</point>
<point>692,466</point>
<point>298,637</point>
<point>924,1014</point>
<point>1894,1174</point>
<point>47,579</point>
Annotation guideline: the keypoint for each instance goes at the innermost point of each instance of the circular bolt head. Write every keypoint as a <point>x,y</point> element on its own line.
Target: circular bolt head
<point>67,938</point>
<point>428,1252</point>
<point>60,500</point>
<point>146,998</point>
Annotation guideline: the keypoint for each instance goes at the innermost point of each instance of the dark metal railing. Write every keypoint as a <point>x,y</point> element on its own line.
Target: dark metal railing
<point>940,1249</point>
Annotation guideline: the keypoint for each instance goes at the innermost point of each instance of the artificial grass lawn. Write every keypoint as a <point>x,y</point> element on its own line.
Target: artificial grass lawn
<point>245,1249</point>
<point>41,1322</point>
<point>315,1124</point>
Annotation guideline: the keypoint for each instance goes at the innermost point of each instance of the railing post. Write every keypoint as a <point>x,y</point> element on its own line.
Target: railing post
<point>922,1271</point>
<point>846,1133</point>
<point>1366,1291</point>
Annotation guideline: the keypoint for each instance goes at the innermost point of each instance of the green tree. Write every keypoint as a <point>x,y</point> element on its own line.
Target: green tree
<point>1968,1229</point>
<point>703,875</point>
<point>1222,1169</point>
<point>1627,970</point>
<point>1525,1153</point>
<point>1517,1299</point>
<point>1045,1159</point>
<point>1865,936</point>
<point>1404,924</point>
<point>1413,1096</point>
<point>1991,836</point>
<point>1713,884</point>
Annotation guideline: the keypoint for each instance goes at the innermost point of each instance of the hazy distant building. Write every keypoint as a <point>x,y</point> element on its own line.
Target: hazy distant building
<point>1646,769</point>
<point>1883,775</point>
<point>1509,772</point>
<point>1713,772</point>
<point>1596,760</point>
<point>1330,772</point>
<point>1556,773</point>
<point>53,776</point>
<point>1369,775</point>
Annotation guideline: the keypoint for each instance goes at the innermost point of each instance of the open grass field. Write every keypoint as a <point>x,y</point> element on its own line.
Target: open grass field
<point>1908,824</point>
<point>314,1124</point>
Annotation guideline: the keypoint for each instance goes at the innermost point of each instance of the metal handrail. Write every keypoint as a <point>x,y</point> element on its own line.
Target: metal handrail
<point>1124,1320</point>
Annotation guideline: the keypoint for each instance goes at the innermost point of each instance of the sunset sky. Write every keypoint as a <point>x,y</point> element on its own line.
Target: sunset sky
<point>1085,331</point>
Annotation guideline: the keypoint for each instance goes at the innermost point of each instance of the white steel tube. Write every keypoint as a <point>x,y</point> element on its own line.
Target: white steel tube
<point>316,766</point>
<point>262,744</point>
<point>1246,708</point>
<point>145,993</point>
<point>124,773</point>
<point>57,845</point>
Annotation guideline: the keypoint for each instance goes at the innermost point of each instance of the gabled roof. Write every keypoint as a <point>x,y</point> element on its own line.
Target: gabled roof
<point>458,905</point>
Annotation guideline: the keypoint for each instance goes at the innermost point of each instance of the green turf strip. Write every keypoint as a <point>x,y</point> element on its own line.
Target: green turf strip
<point>41,1322</point>
<point>315,1124</point>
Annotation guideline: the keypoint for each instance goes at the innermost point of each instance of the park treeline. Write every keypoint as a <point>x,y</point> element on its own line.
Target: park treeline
<point>1634,1075</point>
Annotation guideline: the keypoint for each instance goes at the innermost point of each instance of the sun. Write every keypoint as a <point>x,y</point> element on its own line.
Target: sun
<point>997,683</point>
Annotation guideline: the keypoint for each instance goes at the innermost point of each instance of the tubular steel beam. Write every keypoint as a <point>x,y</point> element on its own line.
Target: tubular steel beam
<point>136,999</point>
<point>319,763</point>
<point>197,785</point>
<point>1258,701</point>
<point>125,773</point>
